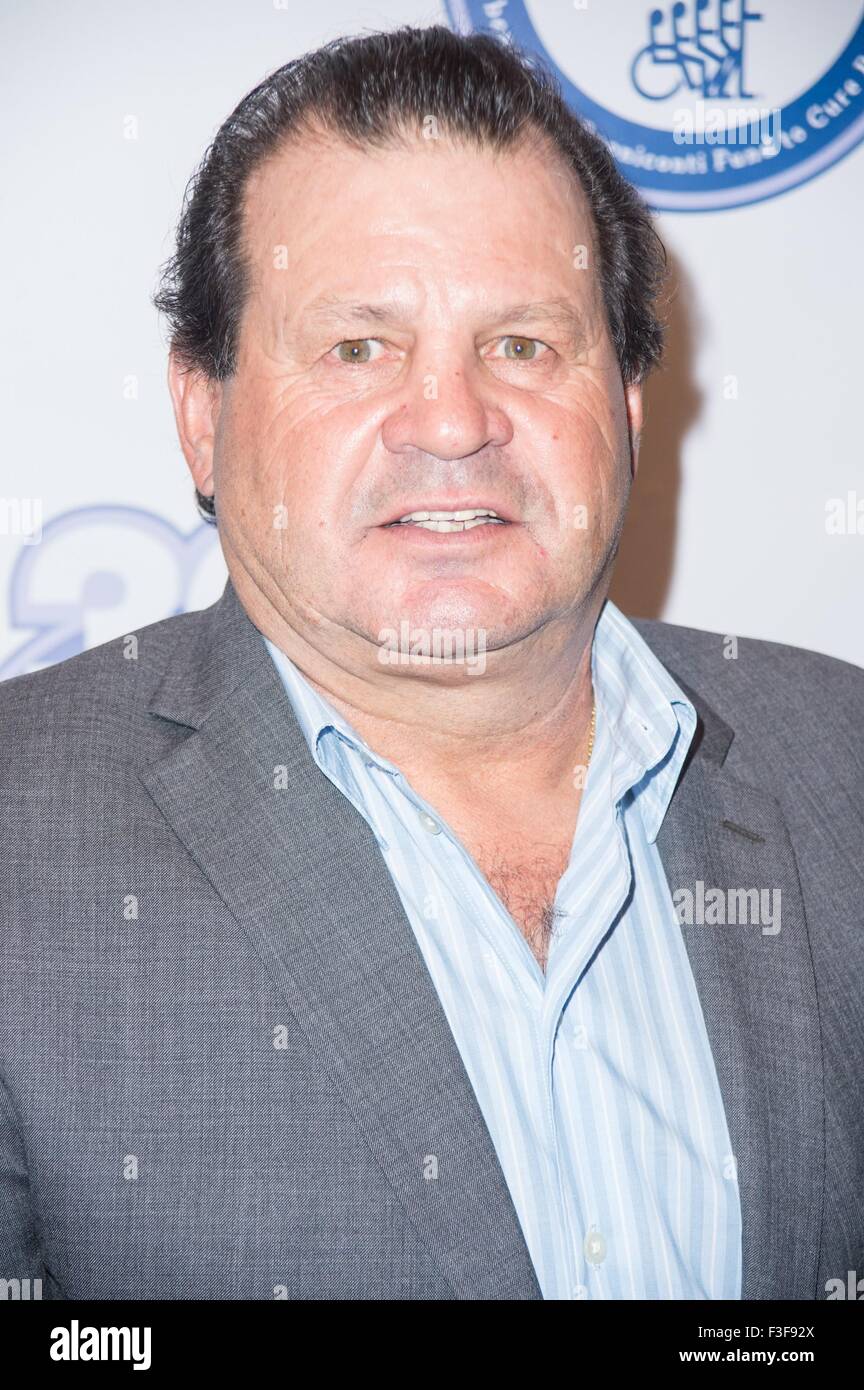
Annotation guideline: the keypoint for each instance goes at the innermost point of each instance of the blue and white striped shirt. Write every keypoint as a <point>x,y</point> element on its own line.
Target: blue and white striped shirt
<point>596,1081</point>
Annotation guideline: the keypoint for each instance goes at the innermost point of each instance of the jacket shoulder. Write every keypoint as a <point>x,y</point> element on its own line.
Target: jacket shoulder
<point>774,691</point>
<point>745,658</point>
<point>100,693</point>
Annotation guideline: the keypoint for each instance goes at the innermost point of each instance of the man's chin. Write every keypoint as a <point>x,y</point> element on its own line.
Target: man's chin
<point>453,608</point>
<point>441,634</point>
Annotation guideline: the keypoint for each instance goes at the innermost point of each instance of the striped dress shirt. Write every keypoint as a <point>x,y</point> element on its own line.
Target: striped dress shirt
<point>596,1079</point>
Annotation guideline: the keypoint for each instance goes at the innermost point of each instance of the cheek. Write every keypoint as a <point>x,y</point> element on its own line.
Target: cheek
<point>278,456</point>
<point>590,476</point>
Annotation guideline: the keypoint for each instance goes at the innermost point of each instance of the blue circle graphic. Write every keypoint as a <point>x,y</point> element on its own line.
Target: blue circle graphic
<point>803,151</point>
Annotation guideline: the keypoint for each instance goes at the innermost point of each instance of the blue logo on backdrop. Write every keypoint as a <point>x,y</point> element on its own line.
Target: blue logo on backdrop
<point>65,601</point>
<point>706,104</point>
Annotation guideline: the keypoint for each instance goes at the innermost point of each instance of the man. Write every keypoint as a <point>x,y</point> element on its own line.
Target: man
<point>410,924</point>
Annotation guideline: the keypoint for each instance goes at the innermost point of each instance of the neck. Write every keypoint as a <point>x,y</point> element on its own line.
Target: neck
<point>519,728</point>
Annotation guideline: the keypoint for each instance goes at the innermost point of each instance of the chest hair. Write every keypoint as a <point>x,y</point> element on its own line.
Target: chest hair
<point>526,881</point>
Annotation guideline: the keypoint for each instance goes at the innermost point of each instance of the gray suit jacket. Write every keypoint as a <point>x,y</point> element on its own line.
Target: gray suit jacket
<point>222,1060</point>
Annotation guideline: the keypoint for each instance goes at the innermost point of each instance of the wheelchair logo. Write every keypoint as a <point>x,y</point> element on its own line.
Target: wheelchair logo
<point>707,59</point>
<point>705,104</point>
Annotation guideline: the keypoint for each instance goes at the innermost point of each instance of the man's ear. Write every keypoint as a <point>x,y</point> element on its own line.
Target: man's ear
<point>633,402</point>
<point>197,400</point>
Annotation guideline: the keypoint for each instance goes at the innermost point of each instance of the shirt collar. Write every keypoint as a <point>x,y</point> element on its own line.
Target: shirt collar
<point>646,717</point>
<point>315,714</point>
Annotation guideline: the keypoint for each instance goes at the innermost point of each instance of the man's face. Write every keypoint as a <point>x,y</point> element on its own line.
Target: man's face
<point>390,362</point>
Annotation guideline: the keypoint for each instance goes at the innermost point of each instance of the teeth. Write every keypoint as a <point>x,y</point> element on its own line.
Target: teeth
<point>451,521</point>
<point>431,525</point>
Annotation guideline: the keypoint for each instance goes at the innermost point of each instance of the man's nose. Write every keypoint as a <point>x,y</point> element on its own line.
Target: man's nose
<point>446,410</point>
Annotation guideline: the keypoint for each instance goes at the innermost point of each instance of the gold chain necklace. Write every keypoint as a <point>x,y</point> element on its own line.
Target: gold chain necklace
<point>593,729</point>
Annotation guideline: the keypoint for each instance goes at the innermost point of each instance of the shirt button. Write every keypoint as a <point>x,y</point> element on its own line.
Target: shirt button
<point>429,824</point>
<point>595,1246</point>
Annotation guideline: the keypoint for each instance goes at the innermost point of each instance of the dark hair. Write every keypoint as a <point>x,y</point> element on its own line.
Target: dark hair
<point>373,90</point>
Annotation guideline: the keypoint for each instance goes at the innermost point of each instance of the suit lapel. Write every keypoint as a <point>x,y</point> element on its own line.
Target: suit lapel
<point>301,871</point>
<point>758,998</point>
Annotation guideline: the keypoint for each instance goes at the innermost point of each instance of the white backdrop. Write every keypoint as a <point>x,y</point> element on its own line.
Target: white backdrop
<point>753,427</point>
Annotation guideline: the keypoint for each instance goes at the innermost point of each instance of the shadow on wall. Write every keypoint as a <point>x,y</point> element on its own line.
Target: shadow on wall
<point>646,554</point>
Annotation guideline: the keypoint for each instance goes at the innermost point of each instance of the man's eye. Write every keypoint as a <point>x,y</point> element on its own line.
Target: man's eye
<point>357,350</point>
<point>523,349</point>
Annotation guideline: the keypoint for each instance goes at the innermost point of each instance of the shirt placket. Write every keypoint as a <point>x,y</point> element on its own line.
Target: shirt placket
<point>587,925</point>
<point>498,933</point>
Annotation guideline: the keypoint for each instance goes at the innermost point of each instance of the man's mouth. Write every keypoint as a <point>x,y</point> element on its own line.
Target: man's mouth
<point>463,520</point>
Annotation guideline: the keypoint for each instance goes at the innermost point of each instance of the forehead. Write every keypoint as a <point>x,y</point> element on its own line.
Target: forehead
<point>329,205</point>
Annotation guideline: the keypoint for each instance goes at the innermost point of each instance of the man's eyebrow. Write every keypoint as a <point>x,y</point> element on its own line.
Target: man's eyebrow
<point>558,311</point>
<point>561,312</point>
<point>327,307</point>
